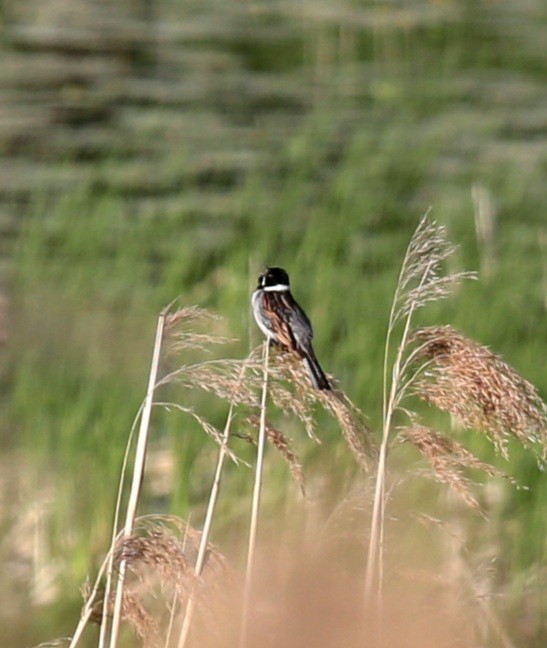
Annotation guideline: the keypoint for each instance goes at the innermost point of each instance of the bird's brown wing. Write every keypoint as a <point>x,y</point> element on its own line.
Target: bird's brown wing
<point>277,311</point>
<point>288,321</point>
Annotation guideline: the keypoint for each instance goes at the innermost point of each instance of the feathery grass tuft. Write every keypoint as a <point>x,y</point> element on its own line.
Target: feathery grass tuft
<point>187,315</point>
<point>143,623</point>
<point>186,337</point>
<point>158,559</point>
<point>357,434</point>
<point>283,445</point>
<point>291,391</point>
<point>294,394</point>
<point>421,279</point>
<point>479,388</point>
<point>449,459</point>
<point>223,378</point>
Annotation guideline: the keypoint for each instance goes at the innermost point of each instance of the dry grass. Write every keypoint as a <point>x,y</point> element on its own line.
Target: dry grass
<point>142,622</point>
<point>183,329</point>
<point>422,278</point>
<point>233,380</point>
<point>479,389</point>
<point>293,393</point>
<point>307,592</point>
<point>421,281</point>
<point>450,460</point>
<point>315,597</point>
<point>283,445</point>
<point>221,378</point>
<point>160,576</point>
<point>311,593</point>
<point>358,436</point>
<point>239,383</point>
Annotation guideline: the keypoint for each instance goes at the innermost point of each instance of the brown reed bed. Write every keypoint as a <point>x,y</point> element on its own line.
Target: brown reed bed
<point>160,577</point>
<point>307,588</point>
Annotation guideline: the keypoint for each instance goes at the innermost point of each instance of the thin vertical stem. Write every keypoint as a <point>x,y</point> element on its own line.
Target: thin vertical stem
<point>138,472</point>
<point>105,624</point>
<point>213,497</point>
<point>202,550</point>
<point>256,503</point>
<point>373,551</point>
<point>374,570</point>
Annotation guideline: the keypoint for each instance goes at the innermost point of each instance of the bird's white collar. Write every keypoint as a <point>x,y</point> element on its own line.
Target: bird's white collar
<point>276,288</point>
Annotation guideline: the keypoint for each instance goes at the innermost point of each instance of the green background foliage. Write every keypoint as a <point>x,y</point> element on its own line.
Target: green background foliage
<point>308,136</point>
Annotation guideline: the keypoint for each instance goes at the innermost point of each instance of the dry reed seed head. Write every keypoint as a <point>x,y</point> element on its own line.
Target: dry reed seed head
<point>357,434</point>
<point>421,279</point>
<point>301,401</point>
<point>207,427</point>
<point>160,557</point>
<point>188,315</point>
<point>140,620</point>
<point>479,388</point>
<point>185,340</point>
<point>435,289</point>
<point>170,553</point>
<point>428,247</point>
<point>449,460</point>
<point>291,391</point>
<point>164,554</point>
<point>283,445</point>
<point>185,535</point>
<point>236,381</point>
<point>183,333</point>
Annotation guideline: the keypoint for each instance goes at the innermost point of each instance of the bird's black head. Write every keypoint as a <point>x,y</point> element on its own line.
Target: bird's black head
<point>273,277</point>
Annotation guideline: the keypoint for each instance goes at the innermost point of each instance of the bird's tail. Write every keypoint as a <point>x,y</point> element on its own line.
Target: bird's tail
<point>317,375</point>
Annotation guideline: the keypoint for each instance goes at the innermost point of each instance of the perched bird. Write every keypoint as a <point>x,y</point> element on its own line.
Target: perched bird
<point>283,322</point>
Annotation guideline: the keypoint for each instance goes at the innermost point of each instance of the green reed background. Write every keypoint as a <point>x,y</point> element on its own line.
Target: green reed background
<point>205,143</point>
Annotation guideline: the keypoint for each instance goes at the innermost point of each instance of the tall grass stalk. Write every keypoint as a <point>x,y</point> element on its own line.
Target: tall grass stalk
<point>138,472</point>
<point>255,503</point>
<point>420,281</point>
<point>202,550</point>
<point>374,569</point>
<point>88,608</point>
<point>108,563</point>
<point>213,497</point>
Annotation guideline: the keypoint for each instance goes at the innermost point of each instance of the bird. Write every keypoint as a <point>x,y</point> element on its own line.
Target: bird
<point>283,322</point>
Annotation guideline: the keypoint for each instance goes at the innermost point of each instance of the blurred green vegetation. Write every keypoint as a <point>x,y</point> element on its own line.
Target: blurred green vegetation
<point>316,138</point>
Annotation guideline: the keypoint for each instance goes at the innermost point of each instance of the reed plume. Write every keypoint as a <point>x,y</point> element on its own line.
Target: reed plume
<point>158,559</point>
<point>421,281</point>
<point>284,446</point>
<point>479,389</point>
<point>293,393</point>
<point>450,461</point>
